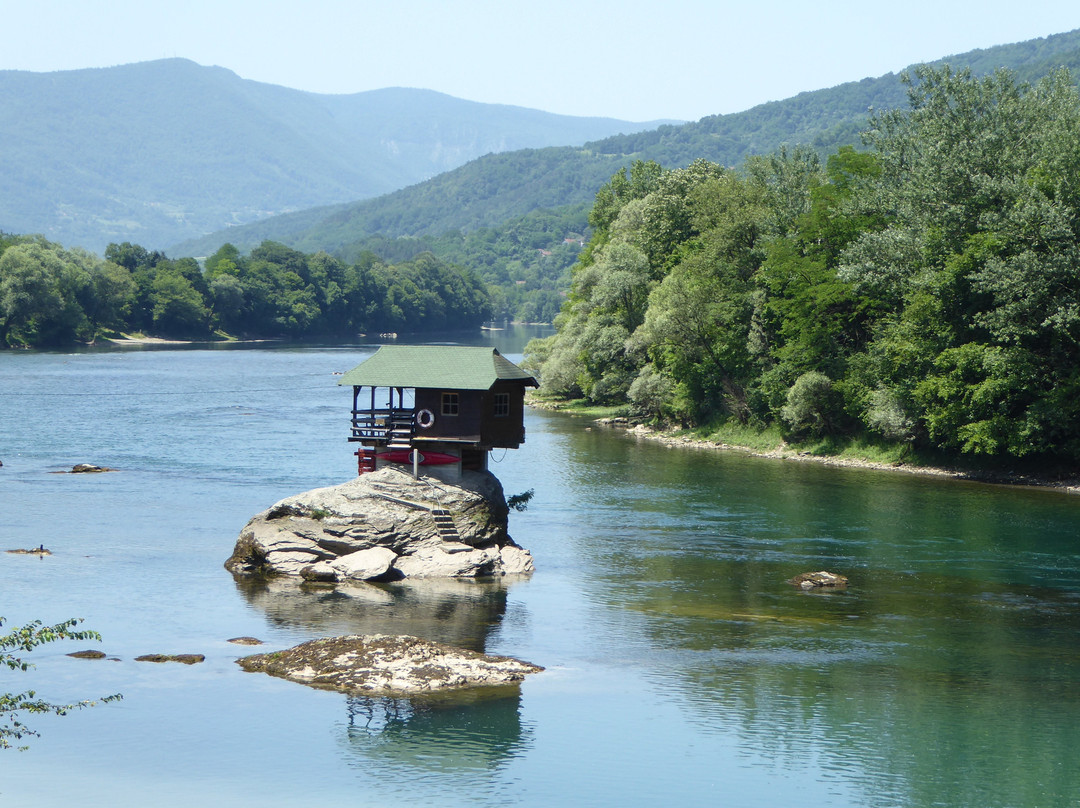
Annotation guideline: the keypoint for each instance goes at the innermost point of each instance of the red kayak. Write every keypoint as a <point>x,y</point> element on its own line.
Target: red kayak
<point>426,458</point>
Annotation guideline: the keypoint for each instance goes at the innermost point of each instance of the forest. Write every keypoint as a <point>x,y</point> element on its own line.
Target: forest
<point>52,296</point>
<point>923,292</point>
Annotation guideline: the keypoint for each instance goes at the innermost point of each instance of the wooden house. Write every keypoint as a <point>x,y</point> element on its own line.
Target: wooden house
<point>439,406</point>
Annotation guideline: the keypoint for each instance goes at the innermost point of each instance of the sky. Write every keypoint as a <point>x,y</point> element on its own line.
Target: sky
<point>626,59</point>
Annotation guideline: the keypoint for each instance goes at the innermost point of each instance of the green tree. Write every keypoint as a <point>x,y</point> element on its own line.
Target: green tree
<point>40,288</point>
<point>110,296</point>
<point>178,309</point>
<point>973,274</point>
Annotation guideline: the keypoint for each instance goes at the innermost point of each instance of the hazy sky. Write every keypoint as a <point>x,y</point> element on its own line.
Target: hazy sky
<point>681,59</point>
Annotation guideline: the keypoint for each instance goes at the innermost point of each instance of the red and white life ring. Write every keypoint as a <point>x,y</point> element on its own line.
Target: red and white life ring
<point>425,419</point>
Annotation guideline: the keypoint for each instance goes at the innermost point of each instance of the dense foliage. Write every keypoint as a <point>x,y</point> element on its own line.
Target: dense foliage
<point>925,291</point>
<point>525,261</point>
<point>51,296</point>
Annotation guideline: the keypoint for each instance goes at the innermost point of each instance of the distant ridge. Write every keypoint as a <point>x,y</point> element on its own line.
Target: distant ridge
<point>161,151</point>
<point>497,188</point>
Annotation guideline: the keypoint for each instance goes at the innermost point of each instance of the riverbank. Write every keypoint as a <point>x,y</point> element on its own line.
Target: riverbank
<point>140,340</point>
<point>137,340</point>
<point>608,417</point>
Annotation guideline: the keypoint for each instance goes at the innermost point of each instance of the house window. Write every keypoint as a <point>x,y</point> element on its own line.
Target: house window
<point>502,405</point>
<point>449,403</point>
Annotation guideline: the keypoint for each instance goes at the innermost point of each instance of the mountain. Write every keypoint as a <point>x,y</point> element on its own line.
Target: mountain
<point>482,193</point>
<point>500,187</point>
<point>830,118</point>
<point>161,151</point>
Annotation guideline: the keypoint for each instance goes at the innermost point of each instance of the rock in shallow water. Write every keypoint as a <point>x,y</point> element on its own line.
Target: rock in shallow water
<point>385,526</point>
<point>186,659</point>
<point>245,641</point>
<point>388,665</point>
<point>813,580</point>
<point>87,654</point>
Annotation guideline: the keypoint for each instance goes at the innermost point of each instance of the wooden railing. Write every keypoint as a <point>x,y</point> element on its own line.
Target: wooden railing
<point>380,425</point>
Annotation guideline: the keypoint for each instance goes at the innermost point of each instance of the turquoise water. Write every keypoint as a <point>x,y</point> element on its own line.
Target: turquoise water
<point>681,668</point>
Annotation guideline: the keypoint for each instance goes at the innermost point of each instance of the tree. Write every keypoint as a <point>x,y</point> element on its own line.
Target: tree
<point>40,287</point>
<point>13,706</point>
<point>973,273</point>
<point>110,295</point>
<point>811,405</point>
<point>178,309</point>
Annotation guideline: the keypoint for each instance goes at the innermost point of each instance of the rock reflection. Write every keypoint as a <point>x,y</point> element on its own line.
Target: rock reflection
<point>457,612</point>
<point>465,732</point>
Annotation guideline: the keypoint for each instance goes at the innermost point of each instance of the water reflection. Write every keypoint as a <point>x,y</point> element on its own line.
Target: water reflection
<point>467,733</point>
<point>947,673</point>
<point>453,734</point>
<point>462,613</point>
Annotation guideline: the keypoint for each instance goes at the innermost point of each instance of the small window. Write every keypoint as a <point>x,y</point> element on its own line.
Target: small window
<point>449,403</point>
<point>502,405</point>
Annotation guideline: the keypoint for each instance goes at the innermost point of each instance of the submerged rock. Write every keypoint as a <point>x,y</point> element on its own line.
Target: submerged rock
<point>388,665</point>
<point>245,641</point>
<point>87,654</point>
<point>88,468</point>
<point>812,580</point>
<point>186,659</point>
<point>385,526</point>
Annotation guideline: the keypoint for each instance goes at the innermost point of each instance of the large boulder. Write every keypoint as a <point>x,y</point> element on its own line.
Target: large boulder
<point>385,526</point>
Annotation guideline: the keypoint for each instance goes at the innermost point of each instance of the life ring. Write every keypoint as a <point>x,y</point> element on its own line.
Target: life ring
<point>425,419</point>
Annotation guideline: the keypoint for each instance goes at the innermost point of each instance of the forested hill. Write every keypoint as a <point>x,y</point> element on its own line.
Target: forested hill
<point>496,188</point>
<point>483,193</point>
<point>516,218</point>
<point>921,295</point>
<point>830,118</point>
<point>161,151</point>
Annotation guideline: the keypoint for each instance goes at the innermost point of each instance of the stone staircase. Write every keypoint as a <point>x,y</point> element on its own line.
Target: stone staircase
<point>444,523</point>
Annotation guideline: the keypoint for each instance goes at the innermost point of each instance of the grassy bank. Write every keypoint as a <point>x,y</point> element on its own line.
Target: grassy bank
<point>861,451</point>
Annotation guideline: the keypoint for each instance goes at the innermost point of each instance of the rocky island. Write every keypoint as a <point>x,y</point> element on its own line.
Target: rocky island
<point>385,526</point>
<point>388,665</point>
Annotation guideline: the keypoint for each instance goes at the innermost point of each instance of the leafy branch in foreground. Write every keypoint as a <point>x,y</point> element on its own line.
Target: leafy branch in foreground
<point>14,705</point>
<point>520,502</point>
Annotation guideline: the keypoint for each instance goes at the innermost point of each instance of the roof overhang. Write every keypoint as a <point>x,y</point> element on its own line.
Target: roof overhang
<point>440,367</point>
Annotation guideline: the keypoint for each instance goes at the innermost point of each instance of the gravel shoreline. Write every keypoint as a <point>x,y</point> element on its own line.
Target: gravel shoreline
<point>784,452</point>
<point>1070,486</point>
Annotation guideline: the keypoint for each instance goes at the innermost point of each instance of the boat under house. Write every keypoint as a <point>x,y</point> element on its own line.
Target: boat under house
<point>436,406</point>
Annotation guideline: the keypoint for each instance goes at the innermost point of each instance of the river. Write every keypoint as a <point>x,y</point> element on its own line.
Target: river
<point>680,667</point>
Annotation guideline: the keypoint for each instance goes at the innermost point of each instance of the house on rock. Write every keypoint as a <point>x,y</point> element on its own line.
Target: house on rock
<point>441,406</point>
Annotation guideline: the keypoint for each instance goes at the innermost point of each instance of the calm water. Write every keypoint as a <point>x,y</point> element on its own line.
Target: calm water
<point>681,669</point>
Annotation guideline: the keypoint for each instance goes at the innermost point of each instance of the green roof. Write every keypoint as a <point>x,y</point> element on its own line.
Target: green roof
<point>435,366</point>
